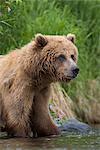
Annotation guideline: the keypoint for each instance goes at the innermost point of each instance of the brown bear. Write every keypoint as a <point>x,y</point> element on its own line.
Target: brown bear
<point>25,78</point>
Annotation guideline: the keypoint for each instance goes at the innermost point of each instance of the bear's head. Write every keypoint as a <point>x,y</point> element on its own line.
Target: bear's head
<point>57,56</point>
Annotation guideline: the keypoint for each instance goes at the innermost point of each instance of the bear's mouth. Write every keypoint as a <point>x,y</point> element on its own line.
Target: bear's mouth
<point>68,78</point>
<point>71,77</point>
<point>65,79</point>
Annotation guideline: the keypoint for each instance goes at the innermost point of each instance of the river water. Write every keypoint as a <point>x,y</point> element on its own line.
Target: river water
<point>67,141</point>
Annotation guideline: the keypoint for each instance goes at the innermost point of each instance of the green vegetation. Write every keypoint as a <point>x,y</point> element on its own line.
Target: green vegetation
<point>87,15</point>
<point>20,20</point>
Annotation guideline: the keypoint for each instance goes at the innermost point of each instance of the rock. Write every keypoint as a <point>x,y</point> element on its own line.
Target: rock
<point>73,125</point>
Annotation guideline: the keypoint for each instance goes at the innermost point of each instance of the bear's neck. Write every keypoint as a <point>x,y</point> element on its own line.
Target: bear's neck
<point>33,68</point>
<point>41,80</point>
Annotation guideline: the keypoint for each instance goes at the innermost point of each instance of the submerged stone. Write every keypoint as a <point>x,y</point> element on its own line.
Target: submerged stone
<point>73,125</point>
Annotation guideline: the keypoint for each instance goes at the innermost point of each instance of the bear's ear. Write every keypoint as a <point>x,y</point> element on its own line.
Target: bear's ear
<point>71,37</point>
<point>40,40</point>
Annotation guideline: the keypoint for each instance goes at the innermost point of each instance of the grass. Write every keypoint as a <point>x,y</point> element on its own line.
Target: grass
<point>30,17</point>
<point>87,12</point>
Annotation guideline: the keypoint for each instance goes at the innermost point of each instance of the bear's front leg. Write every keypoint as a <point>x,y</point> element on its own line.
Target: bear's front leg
<point>17,122</point>
<point>41,121</point>
<point>42,124</point>
<point>17,104</point>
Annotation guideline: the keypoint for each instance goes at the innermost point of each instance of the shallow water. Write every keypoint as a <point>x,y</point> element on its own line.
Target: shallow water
<point>66,141</point>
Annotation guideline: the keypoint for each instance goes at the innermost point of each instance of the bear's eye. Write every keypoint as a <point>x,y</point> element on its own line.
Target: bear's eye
<point>72,56</point>
<point>61,58</point>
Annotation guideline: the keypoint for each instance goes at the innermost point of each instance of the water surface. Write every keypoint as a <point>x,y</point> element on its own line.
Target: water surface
<point>66,141</point>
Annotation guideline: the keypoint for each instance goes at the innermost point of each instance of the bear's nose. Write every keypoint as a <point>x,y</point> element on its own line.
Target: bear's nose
<point>75,71</point>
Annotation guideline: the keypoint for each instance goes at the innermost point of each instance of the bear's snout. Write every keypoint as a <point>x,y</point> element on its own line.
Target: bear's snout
<point>75,71</point>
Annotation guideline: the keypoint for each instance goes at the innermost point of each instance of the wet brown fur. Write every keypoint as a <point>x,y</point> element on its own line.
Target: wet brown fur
<point>25,78</point>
